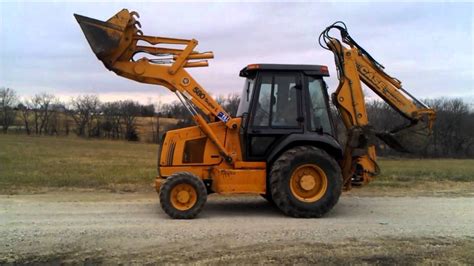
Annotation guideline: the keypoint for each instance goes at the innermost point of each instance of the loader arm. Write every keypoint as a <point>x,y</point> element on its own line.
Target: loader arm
<point>355,66</point>
<point>118,42</point>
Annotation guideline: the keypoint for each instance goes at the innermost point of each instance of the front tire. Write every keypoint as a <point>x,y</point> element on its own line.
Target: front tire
<point>305,182</point>
<point>183,195</point>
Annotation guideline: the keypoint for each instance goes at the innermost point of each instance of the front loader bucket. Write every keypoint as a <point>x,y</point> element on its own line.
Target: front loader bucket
<point>104,37</point>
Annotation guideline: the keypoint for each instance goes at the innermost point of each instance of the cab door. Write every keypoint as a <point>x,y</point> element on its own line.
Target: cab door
<point>276,112</point>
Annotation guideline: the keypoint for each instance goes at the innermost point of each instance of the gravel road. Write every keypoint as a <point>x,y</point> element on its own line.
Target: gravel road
<point>112,227</point>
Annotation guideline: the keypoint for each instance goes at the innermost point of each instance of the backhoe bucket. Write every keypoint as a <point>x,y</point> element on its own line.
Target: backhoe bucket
<point>392,141</point>
<point>104,37</point>
<point>411,139</point>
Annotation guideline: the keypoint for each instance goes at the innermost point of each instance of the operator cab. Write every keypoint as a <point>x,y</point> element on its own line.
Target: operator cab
<point>279,101</point>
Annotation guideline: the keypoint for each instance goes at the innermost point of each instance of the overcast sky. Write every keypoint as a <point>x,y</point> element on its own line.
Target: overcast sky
<point>428,46</point>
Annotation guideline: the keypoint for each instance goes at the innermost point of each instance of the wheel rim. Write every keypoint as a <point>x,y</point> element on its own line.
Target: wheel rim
<point>183,196</point>
<point>308,183</point>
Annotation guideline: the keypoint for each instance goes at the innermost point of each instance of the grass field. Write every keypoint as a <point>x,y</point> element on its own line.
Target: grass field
<point>405,170</point>
<point>72,162</point>
<point>423,177</point>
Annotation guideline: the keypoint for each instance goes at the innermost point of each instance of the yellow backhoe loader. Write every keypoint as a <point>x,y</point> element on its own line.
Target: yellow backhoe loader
<point>281,144</point>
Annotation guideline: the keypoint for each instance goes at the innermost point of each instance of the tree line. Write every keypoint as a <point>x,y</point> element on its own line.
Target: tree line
<point>452,134</point>
<point>87,116</point>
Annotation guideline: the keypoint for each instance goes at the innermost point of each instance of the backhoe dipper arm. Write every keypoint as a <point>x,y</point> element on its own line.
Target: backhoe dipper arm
<point>354,65</point>
<point>118,41</point>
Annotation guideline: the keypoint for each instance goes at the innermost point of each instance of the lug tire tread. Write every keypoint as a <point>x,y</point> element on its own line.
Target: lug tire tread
<point>281,173</point>
<point>178,178</point>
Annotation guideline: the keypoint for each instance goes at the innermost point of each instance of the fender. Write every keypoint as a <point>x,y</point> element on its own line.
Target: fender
<point>325,142</point>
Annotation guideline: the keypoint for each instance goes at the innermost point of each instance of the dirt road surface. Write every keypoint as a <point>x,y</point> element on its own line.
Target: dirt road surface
<point>92,227</point>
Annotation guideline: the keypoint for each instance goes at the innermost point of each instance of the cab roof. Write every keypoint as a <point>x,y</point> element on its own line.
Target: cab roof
<point>313,70</point>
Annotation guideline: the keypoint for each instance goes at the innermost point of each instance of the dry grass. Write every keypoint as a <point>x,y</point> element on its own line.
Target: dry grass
<point>36,162</point>
<point>146,127</point>
<point>423,177</point>
<point>74,162</point>
<point>405,170</point>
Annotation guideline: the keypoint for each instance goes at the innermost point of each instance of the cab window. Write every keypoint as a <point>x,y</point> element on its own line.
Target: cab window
<point>319,117</point>
<point>262,112</point>
<point>246,97</point>
<point>277,104</point>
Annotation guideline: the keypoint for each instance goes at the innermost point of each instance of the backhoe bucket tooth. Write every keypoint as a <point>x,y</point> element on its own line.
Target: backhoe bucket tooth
<point>103,37</point>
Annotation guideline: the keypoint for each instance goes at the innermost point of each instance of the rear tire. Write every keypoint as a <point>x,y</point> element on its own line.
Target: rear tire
<point>305,182</point>
<point>183,195</point>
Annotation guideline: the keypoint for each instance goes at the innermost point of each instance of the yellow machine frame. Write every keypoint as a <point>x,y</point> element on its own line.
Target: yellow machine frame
<point>212,150</point>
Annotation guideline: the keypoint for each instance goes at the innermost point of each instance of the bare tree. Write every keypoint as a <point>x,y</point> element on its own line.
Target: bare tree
<point>220,99</point>
<point>155,128</point>
<point>112,120</point>
<point>34,104</point>
<point>41,107</point>
<point>25,112</point>
<point>85,110</point>
<point>232,103</point>
<point>129,111</point>
<point>55,121</point>
<point>8,100</point>
<point>147,110</point>
<point>45,101</point>
<point>452,134</point>
<point>176,110</point>
<point>453,130</point>
<point>155,123</point>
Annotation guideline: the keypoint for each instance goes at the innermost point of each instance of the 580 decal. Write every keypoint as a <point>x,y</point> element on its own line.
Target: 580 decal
<point>199,93</point>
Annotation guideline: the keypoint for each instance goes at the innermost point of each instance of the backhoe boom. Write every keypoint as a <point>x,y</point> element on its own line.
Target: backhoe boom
<point>355,66</point>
